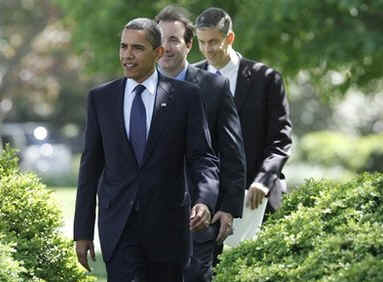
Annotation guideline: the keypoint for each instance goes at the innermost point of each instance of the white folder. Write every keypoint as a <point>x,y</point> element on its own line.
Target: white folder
<point>247,227</point>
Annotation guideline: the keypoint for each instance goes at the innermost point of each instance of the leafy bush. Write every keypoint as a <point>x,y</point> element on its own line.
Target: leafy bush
<point>357,154</point>
<point>323,232</point>
<point>10,269</point>
<point>29,221</point>
<point>8,161</point>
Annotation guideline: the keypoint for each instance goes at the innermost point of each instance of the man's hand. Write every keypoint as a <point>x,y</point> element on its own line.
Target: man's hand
<point>255,195</point>
<point>82,248</point>
<point>226,225</point>
<point>199,217</point>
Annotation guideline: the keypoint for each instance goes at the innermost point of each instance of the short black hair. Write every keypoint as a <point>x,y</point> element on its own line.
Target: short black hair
<point>175,13</point>
<point>215,17</point>
<point>153,32</point>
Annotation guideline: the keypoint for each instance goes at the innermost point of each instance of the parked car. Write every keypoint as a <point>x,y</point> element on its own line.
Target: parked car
<point>40,149</point>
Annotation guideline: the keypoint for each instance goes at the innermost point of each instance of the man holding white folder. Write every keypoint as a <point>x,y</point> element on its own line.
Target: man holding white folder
<point>262,107</point>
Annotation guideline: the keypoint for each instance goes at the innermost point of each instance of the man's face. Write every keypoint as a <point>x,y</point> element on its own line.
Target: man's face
<point>137,56</point>
<point>214,45</point>
<point>176,49</point>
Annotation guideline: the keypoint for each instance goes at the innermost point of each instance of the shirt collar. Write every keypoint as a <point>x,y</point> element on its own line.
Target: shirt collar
<point>150,83</point>
<point>231,64</point>
<point>182,73</point>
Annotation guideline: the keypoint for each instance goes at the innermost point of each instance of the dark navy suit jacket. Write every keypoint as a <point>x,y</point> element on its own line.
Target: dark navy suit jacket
<point>226,135</point>
<point>263,110</point>
<point>108,169</point>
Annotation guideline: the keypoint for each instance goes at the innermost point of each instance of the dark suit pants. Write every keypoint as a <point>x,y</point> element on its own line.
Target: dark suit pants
<point>200,267</point>
<point>130,262</point>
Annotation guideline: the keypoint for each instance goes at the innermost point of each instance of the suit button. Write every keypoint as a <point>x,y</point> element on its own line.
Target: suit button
<point>131,203</point>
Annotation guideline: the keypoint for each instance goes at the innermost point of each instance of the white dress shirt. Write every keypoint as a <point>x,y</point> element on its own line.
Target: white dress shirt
<point>148,97</point>
<point>230,70</point>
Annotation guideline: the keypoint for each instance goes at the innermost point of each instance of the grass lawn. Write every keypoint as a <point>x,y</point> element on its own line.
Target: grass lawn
<point>66,199</point>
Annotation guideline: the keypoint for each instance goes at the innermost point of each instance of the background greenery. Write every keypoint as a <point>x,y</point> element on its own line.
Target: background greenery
<point>319,37</point>
<point>325,231</point>
<point>329,52</point>
<point>30,240</point>
<point>52,52</point>
<point>66,197</point>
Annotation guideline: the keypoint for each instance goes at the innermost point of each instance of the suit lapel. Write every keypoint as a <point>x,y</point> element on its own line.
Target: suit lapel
<point>243,83</point>
<point>162,103</point>
<point>121,95</point>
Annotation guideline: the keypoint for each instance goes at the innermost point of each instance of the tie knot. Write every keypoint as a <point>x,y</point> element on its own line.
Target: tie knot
<point>139,89</point>
<point>218,72</point>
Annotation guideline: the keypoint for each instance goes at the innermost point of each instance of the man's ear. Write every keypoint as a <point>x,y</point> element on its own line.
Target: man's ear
<point>189,45</point>
<point>159,52</point>
<point>230,37</point>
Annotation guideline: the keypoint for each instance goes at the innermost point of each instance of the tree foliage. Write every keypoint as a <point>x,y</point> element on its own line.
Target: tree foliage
<point>330,149</point>
<point>337,43</point>
<point>16,37</point>
<point>40,76</point>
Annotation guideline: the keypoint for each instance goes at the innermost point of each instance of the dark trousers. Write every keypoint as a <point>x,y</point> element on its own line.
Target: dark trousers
<point>130,261</point>
<point>218,249</point>
<point>200,267</point>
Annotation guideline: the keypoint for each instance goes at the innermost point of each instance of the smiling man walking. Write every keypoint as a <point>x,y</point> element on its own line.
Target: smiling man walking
<point>262,105</point>
<point>140,130</point>
<point>225,130</point>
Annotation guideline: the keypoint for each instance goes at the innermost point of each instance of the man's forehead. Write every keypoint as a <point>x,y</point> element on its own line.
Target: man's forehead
<point>130,31</point>
<point>137,35</point>
<point>174,25</point>
<point>210,31</point>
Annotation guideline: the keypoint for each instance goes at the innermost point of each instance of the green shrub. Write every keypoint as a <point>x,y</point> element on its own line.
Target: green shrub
<point>8,161</point>
<point>323,232</point>
<point>357,154</point>
<point>29,221</point>
<point>10,269</point>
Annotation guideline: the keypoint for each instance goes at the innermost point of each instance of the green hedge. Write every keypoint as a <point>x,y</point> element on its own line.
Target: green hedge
<point>357,154</point>
<point>10,269</point>
<point>324,232</point>
<point>29,228</point>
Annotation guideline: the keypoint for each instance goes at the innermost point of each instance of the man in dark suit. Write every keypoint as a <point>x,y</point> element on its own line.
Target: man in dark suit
<point>261,103</point>
<point>225,130</point>
<point>140,130</point>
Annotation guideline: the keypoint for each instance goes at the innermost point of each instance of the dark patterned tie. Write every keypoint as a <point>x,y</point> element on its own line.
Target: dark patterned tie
<point>218,72</point>
<point>137,128</point>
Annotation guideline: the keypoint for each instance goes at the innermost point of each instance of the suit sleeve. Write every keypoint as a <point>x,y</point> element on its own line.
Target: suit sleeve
<point>231,152</point>
<point>278,140</point>
<point>91,166</point>
<point>201,160</point>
